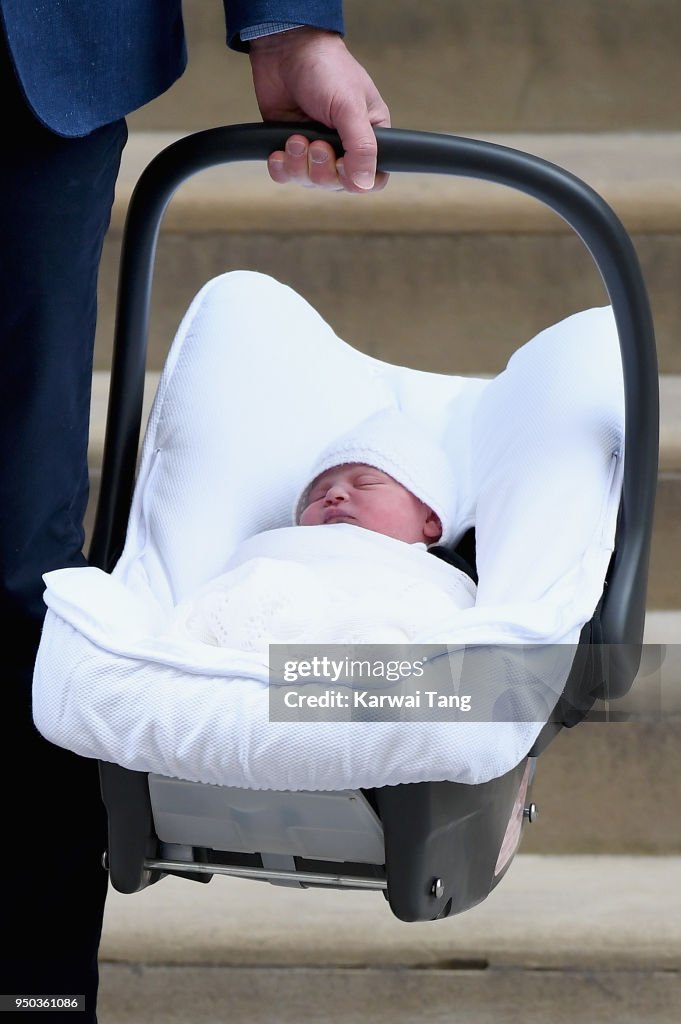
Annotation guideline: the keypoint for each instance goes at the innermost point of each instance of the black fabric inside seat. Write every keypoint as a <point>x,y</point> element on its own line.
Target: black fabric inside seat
<point>462,556</point>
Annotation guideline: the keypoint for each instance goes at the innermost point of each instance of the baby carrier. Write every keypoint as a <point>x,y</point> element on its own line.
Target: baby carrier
<point>434,848</point>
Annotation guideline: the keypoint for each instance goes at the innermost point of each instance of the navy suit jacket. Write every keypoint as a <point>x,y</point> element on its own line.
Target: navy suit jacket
<point>85,63</point>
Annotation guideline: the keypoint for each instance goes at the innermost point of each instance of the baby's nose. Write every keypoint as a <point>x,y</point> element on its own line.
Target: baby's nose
<point>336,493</point>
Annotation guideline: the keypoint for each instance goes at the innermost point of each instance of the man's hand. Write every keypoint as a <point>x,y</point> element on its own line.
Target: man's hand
<point>309,74</point>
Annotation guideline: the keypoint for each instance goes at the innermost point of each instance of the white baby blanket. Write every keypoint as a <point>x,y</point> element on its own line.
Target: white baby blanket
<point>338,584</point>
<point>256,383</point>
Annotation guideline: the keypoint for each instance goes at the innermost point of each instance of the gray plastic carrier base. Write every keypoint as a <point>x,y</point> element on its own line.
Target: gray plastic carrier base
<point>336,826</point>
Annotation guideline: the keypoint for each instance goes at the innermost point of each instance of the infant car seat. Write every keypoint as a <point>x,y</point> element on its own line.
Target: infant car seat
<point>433,848</point>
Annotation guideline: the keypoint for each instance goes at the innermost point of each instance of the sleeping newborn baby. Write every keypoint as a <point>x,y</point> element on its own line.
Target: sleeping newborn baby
<point>354,567</point>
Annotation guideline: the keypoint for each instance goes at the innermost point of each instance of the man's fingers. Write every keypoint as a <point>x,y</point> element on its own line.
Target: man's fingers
<point>296,159</point>
<point>380,181</point>
<point>360,157</point>
<point>322,166</point>
<point>284,168</point>
<point>276,165</point>
<point>355,125</point>
<point>305,164</point>
<point>314,163</point>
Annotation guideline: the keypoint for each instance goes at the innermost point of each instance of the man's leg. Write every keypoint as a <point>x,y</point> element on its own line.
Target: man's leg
<point>56,197</point>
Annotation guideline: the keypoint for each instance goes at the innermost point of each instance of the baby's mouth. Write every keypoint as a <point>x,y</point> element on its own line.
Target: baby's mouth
<point>337,515</point>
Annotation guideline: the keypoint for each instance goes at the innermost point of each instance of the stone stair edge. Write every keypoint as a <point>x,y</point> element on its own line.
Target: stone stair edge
<point>670,417</point>
<point>560,911</point>
<point>637,173</point>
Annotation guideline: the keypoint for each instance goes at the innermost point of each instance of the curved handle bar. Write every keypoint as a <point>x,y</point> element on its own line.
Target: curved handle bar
<point>623,608</point>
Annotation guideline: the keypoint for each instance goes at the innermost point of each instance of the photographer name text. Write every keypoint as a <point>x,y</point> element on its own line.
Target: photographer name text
<point>364,699</point>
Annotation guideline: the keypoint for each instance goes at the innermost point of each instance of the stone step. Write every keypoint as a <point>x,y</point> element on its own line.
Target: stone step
<point>560,913</point>
<point>445,273</point>
<point>142,994</point>
<point>559,934</point>
<point>453,65</point>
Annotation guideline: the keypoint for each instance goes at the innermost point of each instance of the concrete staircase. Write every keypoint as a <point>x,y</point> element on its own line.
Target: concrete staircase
<point>452,275</point>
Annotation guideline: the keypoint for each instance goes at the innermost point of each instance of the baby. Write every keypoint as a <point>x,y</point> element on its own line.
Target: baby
<point>365,496</point>
<point>360,571</point>
<point>385,475</point>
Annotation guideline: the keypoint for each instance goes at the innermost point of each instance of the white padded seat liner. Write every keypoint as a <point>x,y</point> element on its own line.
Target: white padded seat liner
<point>255,385</point>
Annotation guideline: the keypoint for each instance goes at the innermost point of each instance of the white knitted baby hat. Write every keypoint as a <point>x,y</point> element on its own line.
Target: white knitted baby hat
<point>392,442</point>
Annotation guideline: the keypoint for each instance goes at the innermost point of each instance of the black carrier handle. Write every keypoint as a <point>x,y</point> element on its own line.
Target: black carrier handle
<point>623,608</point>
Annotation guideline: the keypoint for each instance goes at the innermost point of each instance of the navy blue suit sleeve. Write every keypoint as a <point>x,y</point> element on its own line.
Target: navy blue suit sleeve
<point>241,14</point>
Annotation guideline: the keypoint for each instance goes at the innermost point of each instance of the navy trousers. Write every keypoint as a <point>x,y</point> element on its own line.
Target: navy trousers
<point>55,200</point>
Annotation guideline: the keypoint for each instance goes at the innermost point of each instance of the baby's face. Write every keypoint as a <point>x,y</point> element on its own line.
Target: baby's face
<point>367,497</point>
